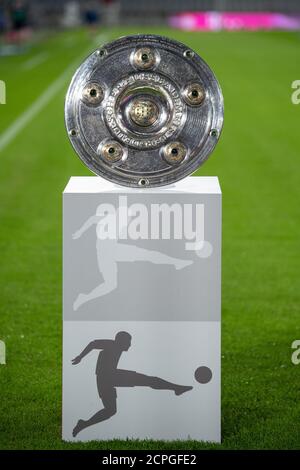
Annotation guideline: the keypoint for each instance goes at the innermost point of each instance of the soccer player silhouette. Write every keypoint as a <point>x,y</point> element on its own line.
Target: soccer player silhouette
<point>111,251</point>
<point>109,377</point>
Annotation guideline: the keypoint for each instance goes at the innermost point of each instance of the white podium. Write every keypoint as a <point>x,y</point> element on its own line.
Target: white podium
<point>141,310</point>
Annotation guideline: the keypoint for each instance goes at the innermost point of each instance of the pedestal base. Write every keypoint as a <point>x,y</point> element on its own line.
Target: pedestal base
<point>142,311</point>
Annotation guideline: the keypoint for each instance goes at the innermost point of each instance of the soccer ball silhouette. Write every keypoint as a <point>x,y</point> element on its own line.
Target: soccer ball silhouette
<point>203,374</point>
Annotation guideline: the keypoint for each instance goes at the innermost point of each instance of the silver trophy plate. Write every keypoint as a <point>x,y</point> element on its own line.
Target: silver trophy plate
<point>144,111</point>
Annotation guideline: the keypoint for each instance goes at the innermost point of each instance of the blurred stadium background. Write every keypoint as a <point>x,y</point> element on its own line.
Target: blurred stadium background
<point>62,13</point>
<point>257,161</point>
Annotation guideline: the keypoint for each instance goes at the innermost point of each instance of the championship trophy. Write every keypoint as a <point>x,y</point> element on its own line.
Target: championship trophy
<point>142,246</point>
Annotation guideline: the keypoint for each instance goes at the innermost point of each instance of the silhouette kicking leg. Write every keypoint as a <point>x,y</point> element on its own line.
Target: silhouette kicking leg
<point>135,253</point>
<point>109,270</point>
<point>109,400</point>
<point>128,378</point>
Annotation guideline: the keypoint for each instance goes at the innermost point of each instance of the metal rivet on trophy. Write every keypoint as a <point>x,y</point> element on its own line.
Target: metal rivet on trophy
<point>111,151</point>
<point>92,94</point>
<point>144,111</point>
<point>145,58</point>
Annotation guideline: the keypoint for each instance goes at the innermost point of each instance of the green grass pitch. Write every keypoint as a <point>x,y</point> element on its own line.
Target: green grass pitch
<point>257,161</point>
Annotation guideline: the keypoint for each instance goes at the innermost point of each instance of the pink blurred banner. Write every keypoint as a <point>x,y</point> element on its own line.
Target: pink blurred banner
<point>214,21</point>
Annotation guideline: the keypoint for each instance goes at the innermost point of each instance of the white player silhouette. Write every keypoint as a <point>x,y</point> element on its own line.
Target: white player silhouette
<point>110,252</point>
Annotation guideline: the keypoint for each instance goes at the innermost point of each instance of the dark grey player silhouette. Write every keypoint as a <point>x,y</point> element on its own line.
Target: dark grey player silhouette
<point>109,377</point>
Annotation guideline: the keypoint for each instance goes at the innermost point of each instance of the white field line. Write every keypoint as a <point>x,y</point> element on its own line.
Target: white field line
<point>35,61</point>
<point>30,113</point>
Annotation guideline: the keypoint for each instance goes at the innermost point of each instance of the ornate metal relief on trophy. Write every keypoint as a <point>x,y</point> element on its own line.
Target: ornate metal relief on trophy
<point>144,111</point>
